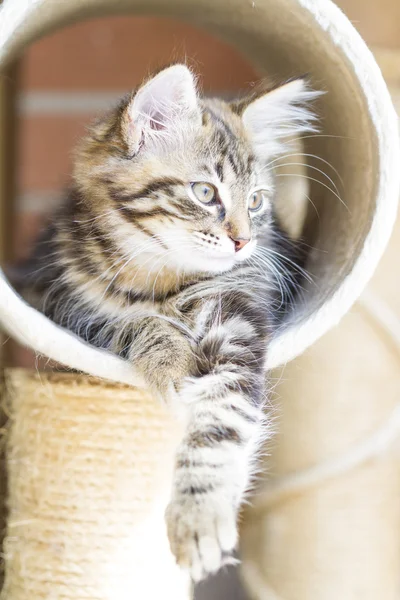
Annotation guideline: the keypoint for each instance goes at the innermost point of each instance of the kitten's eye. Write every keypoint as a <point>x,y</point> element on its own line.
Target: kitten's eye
<point>205,192</point>
<point>257,200</point>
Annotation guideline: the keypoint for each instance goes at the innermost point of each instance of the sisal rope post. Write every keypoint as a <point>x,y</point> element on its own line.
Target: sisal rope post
<point>90,468</point>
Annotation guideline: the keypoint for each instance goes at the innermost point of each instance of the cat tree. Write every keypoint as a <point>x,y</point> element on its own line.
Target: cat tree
<point>90,456</point>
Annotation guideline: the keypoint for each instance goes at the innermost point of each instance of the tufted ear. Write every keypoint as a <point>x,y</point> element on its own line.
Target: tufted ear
<point>274,117</point>
<point>161,107</point>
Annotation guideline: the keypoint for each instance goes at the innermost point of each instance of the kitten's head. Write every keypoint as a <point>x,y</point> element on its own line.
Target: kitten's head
<point>184,182</point>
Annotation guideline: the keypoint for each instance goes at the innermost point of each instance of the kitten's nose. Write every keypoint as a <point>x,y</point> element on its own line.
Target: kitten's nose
<point>239,242</point>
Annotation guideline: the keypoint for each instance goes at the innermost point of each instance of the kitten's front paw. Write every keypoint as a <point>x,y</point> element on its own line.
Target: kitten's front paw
<point>202,532</point>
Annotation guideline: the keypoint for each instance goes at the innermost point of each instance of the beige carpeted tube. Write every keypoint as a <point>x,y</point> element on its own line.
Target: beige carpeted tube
<point>89,475</point>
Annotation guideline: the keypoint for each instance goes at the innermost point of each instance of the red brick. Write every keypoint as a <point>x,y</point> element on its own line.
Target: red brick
<point>115,53</point>
<point>27,228</point>
<point>45,145</point>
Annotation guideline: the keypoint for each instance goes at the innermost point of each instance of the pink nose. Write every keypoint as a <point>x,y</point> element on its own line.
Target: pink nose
<point>239,242</point>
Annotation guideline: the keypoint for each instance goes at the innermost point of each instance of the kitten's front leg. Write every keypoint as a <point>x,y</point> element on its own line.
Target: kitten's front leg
<point>159,351</point>
<point>217,455</point>
<point>213,470</point>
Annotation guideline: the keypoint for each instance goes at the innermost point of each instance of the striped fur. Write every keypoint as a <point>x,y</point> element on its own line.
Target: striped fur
<point>134,262</point>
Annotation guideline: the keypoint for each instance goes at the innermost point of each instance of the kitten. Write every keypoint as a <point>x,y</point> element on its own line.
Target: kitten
<point>165,253</point>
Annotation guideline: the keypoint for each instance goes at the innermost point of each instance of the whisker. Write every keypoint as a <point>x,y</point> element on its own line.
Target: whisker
<point>324,135</point>
<point>296,266</point>
<point>310,167</point>
<point>316,181</point>
<point>300,153</point>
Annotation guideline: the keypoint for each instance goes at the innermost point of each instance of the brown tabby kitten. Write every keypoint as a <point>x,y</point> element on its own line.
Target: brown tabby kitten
<point>166,253</point>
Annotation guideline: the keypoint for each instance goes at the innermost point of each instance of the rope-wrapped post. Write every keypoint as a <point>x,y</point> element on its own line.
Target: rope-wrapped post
<point>90,466</point>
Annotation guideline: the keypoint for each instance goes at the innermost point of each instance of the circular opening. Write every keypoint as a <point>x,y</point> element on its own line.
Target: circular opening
<point>282,39</point>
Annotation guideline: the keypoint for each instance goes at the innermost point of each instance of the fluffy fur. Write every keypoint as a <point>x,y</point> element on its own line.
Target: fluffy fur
<point>168,253</point>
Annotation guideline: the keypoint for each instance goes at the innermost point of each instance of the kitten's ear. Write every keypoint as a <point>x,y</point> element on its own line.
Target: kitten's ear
<point>160,106</point>
<point>276,116</point>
